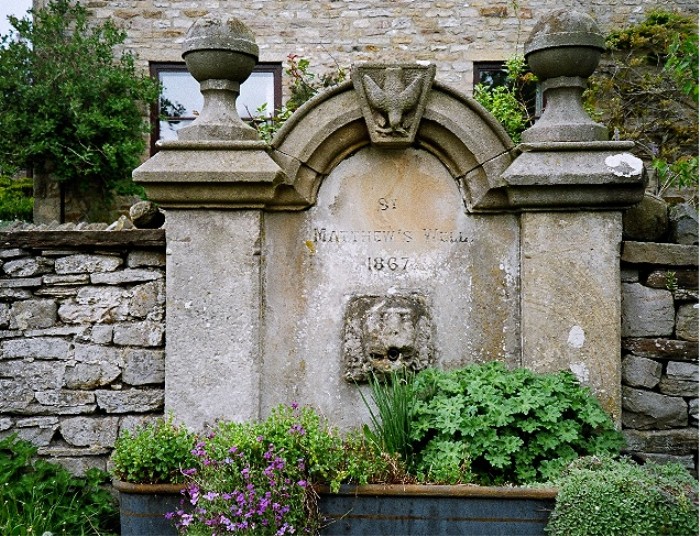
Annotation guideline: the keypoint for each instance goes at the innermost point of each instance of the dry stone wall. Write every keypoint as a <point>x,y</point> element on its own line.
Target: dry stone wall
<point>660,351</point>
<point>82,330</point>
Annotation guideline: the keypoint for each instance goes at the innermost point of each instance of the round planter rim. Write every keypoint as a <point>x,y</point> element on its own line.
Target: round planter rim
<point>130,487</point>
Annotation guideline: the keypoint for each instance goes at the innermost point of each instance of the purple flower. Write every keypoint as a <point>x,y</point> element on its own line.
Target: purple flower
<point>297,429</point>
<point>294,405</point>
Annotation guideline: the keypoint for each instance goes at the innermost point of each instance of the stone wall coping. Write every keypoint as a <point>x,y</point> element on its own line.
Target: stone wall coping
<point>154,238</point>
<point>658,253</point>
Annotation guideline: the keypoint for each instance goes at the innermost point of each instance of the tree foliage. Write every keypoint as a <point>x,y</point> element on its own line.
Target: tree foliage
<point>647,89</point>
<point>69,105</point>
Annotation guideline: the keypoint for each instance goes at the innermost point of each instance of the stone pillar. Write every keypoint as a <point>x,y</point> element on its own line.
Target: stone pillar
<point>571,185</point>
<point>214,182</point>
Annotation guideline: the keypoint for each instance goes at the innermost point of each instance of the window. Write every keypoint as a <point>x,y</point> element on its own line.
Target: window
<point>181,100</point>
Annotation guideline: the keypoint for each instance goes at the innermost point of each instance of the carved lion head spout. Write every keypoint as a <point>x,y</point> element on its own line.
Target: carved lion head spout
<point>385,334</point>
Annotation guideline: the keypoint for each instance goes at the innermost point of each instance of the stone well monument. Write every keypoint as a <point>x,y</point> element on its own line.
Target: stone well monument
<point>390,224</point>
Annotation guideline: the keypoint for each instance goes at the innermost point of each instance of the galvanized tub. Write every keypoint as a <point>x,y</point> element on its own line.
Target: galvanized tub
<point>435,510</point>
<point>142,508</point>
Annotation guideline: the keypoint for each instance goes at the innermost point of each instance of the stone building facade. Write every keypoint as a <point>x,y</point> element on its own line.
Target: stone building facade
<point>332,33</point>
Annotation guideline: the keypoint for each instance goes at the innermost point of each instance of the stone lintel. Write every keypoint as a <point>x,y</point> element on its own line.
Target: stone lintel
<point>574,175</point>
<point>216,174</point>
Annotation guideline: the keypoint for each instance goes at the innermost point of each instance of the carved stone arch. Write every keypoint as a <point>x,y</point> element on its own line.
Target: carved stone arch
<point>469,142</point>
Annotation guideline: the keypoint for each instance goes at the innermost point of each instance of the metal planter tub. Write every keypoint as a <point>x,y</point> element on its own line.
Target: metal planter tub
<point>142,508</point>
<point>435,510</point>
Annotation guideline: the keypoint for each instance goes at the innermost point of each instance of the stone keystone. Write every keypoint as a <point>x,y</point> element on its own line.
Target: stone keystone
<point>393,98</point>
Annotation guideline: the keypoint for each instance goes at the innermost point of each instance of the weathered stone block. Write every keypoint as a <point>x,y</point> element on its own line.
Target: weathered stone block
<point>24,282</point>
<point>36,348</point>
<point>33,314</point>
<point>36,375</point>
<point>60,280</point>
<point>130,401</point>
<point>687,279</point>
<point>28,267</point>
<point>688,372</point>
<point>641,372</point>
<point>687,461</point>
<point>83,263</point>
<point>678,388</point>
<point>83,462</point>
<point>96,305</point>
<point>146,298</point>
<point>12,253</point>
<point>66,402</point>
<point>90,431</point>
<point>90,375</point>
<point>145,258</point>
<point>647,221</point>
<point>142,367</point>
<point>683,219</point>
<point>653,253</point>
<point>646,312</point>
<point>15,396</point>
<point>121,277</point>
<point>4,315</point>
<point>693,411</point>
<point>95,353</point>
<point>661,348</point>
<point>628,275</point>
<point>5,424</point>
<point>102,334</point>
<point>678,442</point>
<point>687,322</point>
<point>139,334</point>
<point>644,410</point>
<point>60,331</point>
<point>38,430</point>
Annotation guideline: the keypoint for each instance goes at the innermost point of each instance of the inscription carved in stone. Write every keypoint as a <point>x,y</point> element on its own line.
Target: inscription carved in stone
<point>393,100</point>
<point>384,334</point>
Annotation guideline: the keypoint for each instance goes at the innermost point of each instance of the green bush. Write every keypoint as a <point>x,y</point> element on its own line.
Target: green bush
<point>610,497</point>
<point>37,496</point>
<point>490,425</point>
<point>68,105</point>
<point>155,453</point>
<point>16,201</point>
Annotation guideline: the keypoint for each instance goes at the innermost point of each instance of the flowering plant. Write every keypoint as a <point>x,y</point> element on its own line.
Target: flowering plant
<point>257,478</point>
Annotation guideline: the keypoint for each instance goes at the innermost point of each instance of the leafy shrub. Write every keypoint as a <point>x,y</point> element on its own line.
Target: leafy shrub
<point>155,453</point>
<point>37,496</point>
<point>16,202</point>
<point>492,425</point>
<point>68,106</point>
<point>256,477</point>
<point>610,497</point>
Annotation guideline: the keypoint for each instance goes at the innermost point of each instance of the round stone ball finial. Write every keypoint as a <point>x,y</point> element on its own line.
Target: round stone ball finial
<point>219,46</point>
<point>220,52</point>
<point>565,43</point>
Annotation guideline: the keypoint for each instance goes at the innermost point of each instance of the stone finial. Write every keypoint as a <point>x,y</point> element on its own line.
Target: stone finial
<point>563,50</point>
<point>220,52</point>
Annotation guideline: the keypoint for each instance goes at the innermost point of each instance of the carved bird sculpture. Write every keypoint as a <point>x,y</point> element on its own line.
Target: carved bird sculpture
<point>393,100</point>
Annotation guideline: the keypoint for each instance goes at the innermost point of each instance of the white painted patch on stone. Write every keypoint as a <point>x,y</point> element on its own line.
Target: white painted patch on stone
<point>581,372</point>
<point>576,337</point>
<point>624,165</point>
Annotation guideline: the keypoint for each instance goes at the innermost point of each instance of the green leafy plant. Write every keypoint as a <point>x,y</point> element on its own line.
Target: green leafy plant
<point>257,477</point>
<point>304,84</point>
<point>646,90</point>
<point>69,106</point>
<point>609,497</point>
<point>492,425</point>
<point>37,496</point>
<point>16,202</point>
<point>155,453</point>
<point>508,103</point>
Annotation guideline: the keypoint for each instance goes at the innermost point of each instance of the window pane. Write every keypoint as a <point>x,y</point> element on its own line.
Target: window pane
<point>259,89</point>
<point>180,96</point>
